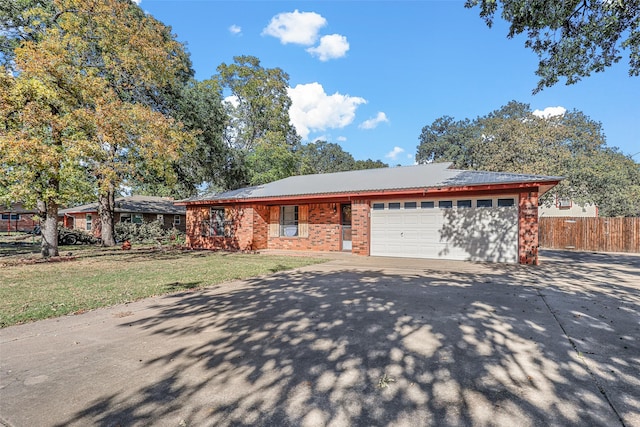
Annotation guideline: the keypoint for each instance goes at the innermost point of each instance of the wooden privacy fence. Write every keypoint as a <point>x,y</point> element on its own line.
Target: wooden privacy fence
<point>590,234</point>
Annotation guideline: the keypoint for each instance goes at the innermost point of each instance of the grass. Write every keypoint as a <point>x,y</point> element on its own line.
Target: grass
<point>100,277</point>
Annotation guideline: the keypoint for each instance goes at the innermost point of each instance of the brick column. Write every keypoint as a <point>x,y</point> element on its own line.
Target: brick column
<point>360,211</point>
<point>528,228</point>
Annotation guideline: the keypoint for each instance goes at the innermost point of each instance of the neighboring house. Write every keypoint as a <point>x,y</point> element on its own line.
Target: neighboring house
<point>16,218</point>
<point>135,209</point>
<point>565,207</point>
<point>425,211</point>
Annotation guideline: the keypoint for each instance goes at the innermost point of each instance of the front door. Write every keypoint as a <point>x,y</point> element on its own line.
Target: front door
<point>345,218</point>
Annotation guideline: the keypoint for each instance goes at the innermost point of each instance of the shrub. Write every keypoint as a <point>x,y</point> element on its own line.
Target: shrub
<point>145,232</point>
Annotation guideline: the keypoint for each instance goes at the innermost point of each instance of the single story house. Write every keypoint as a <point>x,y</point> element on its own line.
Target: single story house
<point>17,218</point>
<point>135,209</point>
<point>424,211</point>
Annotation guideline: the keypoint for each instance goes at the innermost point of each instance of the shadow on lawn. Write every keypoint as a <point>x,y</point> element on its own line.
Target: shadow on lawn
<point>314,348</point>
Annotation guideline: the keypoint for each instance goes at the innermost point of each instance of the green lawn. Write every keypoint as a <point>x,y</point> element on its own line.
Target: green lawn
<point>98,277</point>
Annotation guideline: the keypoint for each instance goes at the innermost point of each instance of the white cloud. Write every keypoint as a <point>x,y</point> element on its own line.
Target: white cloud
<point>330,47</point>
<point>233,100</point>
<point>313,110</point>
<point>341,138</point>
<point>393,154</point>
<point>374,122</point>
<point>550,112</point>
<point>235,29</point>
<point>295,27</point>
<point>137,2</point>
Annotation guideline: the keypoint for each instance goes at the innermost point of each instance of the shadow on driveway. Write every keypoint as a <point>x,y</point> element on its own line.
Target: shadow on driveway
<point>363,346</point>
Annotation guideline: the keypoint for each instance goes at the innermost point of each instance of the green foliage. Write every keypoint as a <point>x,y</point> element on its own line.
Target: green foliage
<point>327,157</point>
<point>572,38</point>
<point>147,232</point>
<point>324,157</point>
<point>258,129</point>
<point>512,139</point>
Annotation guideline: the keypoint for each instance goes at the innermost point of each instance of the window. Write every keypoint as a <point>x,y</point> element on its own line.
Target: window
<point>289,221</point>
<point>445,204</point>
<point>463,203</point>
<point>564,203</point>
<point>394,205</point>
<point>410,205</point>
<point>378,206</point>
<point>484,203</point>
<point>505,203</point>
<point>89,222</point>
<point>427,205</point>
<point>176,220</point>
<point>12,217</point>
<point>160,218</point>
<point>216,222</point>
<point>125,217</point>
<point>137,219</point>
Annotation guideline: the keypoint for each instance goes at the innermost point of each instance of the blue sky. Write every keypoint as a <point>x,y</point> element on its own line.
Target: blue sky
<point>369,75</point>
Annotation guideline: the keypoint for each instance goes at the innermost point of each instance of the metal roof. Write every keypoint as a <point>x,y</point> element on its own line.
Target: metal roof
<point>135,204</point>
<point>433,175</point>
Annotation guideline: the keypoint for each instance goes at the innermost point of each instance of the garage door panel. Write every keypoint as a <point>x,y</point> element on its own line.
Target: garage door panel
<point>480,234</point>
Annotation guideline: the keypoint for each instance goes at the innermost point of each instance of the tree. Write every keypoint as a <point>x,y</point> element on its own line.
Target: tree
<point>211,163</point>
<point>259,129</point>
<point>39,151</point>
<point>97,79</point>
<point>370,164</point>
<point>572,38</point>
<point>513,139</point>
<point>324,157</point>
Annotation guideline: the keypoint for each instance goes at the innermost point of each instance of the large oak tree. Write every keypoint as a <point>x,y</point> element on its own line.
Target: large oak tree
<point>513,139</point>
<point>97,77</point>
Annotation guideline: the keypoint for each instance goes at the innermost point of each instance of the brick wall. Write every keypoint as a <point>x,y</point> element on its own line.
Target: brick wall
<point>25,223</point>
<point>243,221</point>
<point>360,212</point>
<point>528,228</point>
<point>324,231</point>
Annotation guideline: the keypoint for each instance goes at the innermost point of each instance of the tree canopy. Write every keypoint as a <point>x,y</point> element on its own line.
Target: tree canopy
<point>259,129</point>
<point>513,139</point>
<point>91,92</point>
<point>572,38</point>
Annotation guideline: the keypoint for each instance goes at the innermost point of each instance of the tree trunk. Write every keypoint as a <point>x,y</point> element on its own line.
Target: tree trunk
<point>106,205</point>
<point>49,228</point>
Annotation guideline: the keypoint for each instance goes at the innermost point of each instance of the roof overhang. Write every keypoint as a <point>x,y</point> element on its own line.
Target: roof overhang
<point>541,186</point>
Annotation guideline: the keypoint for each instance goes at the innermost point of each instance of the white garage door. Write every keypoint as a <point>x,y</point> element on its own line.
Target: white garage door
<point>477,229</point>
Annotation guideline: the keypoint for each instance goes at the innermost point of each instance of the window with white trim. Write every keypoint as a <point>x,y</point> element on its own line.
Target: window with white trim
<point>288,221</point>
<point>12,217</point>
<point>89,222</point>
<point>176,220</point>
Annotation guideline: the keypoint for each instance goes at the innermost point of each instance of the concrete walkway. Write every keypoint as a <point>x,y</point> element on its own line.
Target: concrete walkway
<point>352,342</point>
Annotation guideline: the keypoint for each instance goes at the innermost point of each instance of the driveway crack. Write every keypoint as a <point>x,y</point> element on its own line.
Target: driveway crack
<point>584,362</point>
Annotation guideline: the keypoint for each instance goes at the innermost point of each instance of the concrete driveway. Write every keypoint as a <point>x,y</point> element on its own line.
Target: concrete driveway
<point>353,342</point>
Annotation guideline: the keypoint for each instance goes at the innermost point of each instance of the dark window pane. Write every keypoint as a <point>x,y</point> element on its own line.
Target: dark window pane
<point>394,205</point>
<point>505,203</point>
<point>410,205</point>
<point>378,206</point>
<point>427,205</point>
<point>444,204</point>
<point>463,203</point>
<point>484,203</point>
